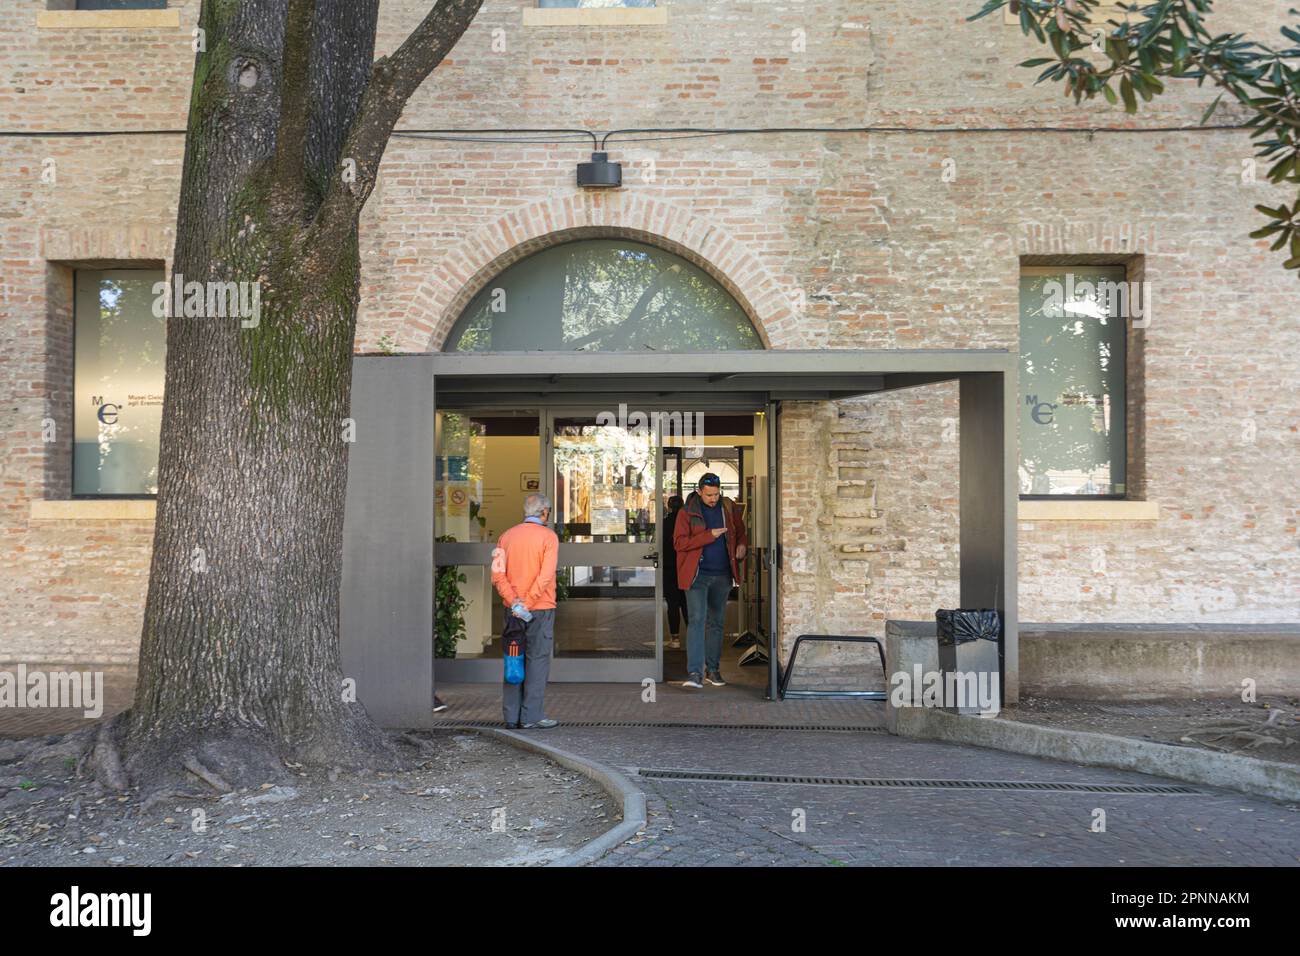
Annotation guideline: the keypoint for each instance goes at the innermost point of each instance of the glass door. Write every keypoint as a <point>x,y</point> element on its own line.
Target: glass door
<point>603,476</point>
<point>487,461</point>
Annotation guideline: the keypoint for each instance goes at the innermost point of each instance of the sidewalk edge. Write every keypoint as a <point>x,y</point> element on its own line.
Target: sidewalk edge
<point>614,783</point>
<point>1264,778</point>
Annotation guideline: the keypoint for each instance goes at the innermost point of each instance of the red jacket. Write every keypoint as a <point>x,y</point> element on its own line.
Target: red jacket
<point>692,534</point>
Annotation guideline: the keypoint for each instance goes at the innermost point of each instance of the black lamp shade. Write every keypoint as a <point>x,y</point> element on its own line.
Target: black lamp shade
<point>600,173</point>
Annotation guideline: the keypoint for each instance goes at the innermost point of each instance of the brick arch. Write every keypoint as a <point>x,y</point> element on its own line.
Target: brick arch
<point>483,254</point>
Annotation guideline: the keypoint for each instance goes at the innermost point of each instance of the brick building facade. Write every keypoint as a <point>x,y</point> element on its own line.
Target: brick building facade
<point>909,235</point>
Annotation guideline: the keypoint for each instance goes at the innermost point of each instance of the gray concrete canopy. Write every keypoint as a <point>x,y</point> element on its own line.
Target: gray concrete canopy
<point>387,610</point>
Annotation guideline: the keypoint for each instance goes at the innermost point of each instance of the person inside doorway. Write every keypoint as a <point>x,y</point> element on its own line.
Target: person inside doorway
<point>523,572</point>
<point>710,538</point>
<point>673,594</point>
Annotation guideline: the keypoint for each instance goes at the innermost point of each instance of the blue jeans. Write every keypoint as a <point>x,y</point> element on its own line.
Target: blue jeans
<point>706,607</point>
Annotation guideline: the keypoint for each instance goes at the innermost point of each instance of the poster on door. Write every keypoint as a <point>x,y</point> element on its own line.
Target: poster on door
<point>607,513</point>
<point>457,499</point>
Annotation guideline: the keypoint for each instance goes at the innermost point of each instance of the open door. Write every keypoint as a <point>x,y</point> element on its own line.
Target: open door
<point>772,547</point>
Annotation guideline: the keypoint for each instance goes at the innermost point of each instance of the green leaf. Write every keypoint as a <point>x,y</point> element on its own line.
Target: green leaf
<point>1111,98</point>
<point>1213,106</point>
<point>1038,61</point>
<point>1179,46</point>
<point>1126,91</point>
<point>1281,212</point>
<point>988,8</point>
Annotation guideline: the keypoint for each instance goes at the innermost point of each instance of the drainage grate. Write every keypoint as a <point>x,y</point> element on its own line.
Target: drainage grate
<point>1066,787</point>
<point>839,728</point>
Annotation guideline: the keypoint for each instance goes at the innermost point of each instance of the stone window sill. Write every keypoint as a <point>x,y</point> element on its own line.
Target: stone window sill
<point>1089,511</point>
<point>94,509</point>
<point>594,16</point>
<point>107,19</point>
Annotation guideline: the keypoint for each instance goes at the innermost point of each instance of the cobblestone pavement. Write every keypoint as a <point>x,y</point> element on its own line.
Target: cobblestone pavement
<point>712,823</point>
<point>702,823</point>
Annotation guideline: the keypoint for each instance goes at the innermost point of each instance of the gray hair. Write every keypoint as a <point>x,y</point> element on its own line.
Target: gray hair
<point>535,504</point>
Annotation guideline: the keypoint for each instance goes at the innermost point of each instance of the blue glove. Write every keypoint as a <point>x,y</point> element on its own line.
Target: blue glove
<point>520,611</point>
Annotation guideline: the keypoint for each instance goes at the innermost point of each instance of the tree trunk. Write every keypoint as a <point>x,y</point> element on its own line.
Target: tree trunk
<point>239,660</point>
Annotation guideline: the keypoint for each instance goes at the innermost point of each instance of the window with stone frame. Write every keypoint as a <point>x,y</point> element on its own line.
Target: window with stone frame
<point>1078,430</point>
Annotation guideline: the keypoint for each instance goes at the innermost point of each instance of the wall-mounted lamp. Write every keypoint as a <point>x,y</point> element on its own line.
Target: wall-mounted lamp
<point>600,173</point>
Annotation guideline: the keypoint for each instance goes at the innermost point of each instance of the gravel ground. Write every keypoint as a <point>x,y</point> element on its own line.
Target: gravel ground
<point>1268,729</point>
<point>471,801</point>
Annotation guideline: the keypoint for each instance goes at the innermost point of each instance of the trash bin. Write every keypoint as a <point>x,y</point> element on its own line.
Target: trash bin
<point>970,659</point>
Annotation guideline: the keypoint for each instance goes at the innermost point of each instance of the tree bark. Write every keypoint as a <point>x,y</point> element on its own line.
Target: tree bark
<point>240,665</point>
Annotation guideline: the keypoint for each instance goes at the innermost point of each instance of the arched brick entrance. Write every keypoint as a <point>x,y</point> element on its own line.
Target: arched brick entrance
<point>483,254</point>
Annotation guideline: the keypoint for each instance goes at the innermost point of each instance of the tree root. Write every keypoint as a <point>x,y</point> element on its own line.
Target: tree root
<point>103,760</point>
<point>419,743</point>
<point>171,793</point>
<point>192,764</point>
<point>226,757</point>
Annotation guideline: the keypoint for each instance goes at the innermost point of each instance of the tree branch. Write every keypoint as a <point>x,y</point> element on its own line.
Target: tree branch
<point>295,87</point>
<point>392,81</point>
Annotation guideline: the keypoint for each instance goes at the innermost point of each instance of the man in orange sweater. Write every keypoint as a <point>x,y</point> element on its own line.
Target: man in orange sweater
<point>523,572</point>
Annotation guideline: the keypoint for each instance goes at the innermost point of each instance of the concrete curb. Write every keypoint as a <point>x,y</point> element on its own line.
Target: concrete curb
<point>1264,778</point>
<point>615,784</point>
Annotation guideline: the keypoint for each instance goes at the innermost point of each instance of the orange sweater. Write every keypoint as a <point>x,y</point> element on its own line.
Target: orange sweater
<point>523,565</point>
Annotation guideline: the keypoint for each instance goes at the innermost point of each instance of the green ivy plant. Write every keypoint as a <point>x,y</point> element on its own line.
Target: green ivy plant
<point>1130,59</point>
<point>449,622</point>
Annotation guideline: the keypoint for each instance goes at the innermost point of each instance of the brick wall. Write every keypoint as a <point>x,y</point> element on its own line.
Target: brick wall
<point>830,240</point>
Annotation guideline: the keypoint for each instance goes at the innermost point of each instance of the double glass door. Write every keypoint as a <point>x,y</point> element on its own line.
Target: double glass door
<point>604,476</point>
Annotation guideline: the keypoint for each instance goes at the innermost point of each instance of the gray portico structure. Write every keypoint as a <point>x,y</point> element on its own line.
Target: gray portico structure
<point>390,552</point>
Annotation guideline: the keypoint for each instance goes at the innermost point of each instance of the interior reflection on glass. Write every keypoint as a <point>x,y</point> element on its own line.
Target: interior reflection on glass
<point>120,353</point>
<point>603,295</point>
<point>485,465</point>
<point>722,462</point>
<point>1072,386</point>
<point>604,482</point>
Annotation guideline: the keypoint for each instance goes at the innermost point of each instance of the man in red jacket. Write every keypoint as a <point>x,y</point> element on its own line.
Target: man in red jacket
<point>711,543</point>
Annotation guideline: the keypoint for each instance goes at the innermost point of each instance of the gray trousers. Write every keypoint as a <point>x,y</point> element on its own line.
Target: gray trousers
<point>522,703</point>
